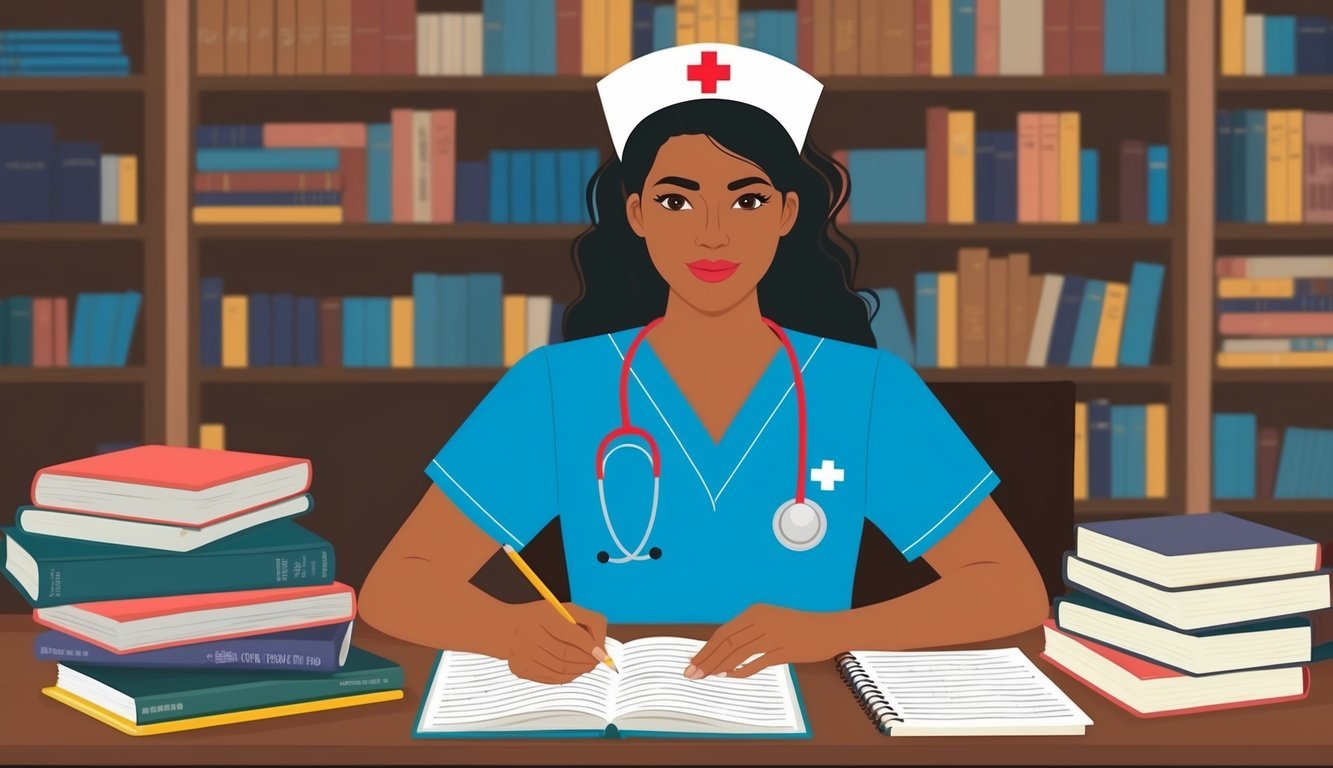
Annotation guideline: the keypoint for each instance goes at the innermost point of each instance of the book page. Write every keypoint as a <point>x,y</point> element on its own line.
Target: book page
<point>655,695</point>
<point>472,692</point>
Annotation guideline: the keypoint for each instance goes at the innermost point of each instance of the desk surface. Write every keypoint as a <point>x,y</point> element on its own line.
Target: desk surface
<point>36,729</point>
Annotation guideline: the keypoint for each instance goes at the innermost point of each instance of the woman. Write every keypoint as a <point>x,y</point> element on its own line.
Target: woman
<point>714,266</point>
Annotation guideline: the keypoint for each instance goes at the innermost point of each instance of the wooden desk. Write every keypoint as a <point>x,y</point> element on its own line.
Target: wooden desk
<point>35,729</point>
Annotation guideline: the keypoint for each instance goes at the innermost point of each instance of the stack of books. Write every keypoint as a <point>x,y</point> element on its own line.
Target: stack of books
<point>1273,44</point>
<point>62,53</point>
<point>1273,166</point>
<point>1253,462</point>
<point>1190,613</point>
<point>1275,311</point>
<point>181,594</point>
<point>46,180</point>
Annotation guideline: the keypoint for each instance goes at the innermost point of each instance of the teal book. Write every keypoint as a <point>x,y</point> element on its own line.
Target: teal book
<point>354,332</point>
<point>485,319</point>
<point>542,32</point>
<point>4,332</point>
<point>80,331</point>
<point>517,17</point>
<point>890,326</point>
<point>146,696</point>
<point>471,696</point>
<point>664,26</point>
<point>1118,40</point>
<point>492,37</point>
<point>1159,177</point>
<point>377,310</point>
<point>545,187</point>
<point>748,33</point>
<point>19,310</point>
<point>127,306</point>
<point>106,312</point>
<point>1256,166</point>
<point>49,570</point>
<point>379,173</point>
<point>1088,323</point>
<point>927,319</point>
<point>1234,443</point>
<point>1087,186</point>
<point>314,159</point>
<point>1119,451</point>
<point>1136,419</point>
<point>1279,45</point>
<point>451,316</point>
<point>1145,295</point>
<point>768,32</point>
<point>520,186</point>
<point>1149,37</point>
<point>424,324</point>
<point>964,33</point>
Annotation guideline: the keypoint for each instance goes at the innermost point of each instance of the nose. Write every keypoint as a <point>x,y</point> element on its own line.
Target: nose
<point>712,235</point>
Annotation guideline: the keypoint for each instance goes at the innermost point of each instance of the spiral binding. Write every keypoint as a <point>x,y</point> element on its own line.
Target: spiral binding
<point>870,699</point>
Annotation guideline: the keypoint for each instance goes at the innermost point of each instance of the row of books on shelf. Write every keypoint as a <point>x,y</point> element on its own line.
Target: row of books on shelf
<point>62,53</point>
<point>1275,166</point>
<point>35,330</point>
<point>1253,462</point>
<point>995,312</point>
<point>1120,450</point>
<point>1273,44</point>
<point>1274,311</point>
<point>1037,174</point>
<point>447,321</point>
<point>44,180</point>
<point>1182,614</point>
<point>171,608</point>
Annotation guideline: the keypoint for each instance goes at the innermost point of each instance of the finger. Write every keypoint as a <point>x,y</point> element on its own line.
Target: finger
<point>576,642</point>
<point>725,664</point>
<point>592,621</point>
<point>723,643</point>
<point>555,660</point>
<point>765,661</point>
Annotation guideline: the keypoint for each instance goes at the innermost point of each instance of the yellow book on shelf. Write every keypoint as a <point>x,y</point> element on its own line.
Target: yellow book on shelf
<point>619,33</point>
<point>213,437</point>
<point>706,24</point>
<point>235,331</point>
<point>687,22</point>
<point>941,51</point>
<point>268,214</point>
<point>593,41</point>
<point>1232,44</point>
<point>515,327</point>
<point>1080,450</point>
<point>1154,451</point>
<point>961,167</point>
<point>946,321</point>
<point>1295,165</point>
<point>729,22</point>
<point>1276,182</point>
<point>1256,287</point>
<point>1321,359</point>
<point>401,343</point>
<point>128,174</point>
<point>208,721</point>
<point>1069,175</point>
<point>1107,347</point>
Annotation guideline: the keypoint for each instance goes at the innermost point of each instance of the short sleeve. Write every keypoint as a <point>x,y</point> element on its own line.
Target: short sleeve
<point>923,475</point>
<point>499,466</point>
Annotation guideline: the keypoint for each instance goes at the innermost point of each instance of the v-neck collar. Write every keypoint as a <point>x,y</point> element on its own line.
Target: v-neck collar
<point>714,462</point>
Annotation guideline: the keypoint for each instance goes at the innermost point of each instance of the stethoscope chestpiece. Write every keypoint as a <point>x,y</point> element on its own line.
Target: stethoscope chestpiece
<point>653,554</point>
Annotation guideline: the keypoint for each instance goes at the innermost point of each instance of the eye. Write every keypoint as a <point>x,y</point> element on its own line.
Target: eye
<point>751,201</point>
<point>673,202</point>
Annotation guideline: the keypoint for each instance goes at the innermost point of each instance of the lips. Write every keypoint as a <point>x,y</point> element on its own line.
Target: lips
<point>711,271</point>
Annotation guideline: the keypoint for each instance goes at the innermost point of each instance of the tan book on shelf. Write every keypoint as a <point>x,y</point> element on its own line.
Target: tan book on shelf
<point>845,37</point>
<point>210,38</point>
<point>821,29</point>
<point>421,166</point>
<point>1036,283</point>
<point>1231,46</point>
<point>729,22</point>
<point>1048,145</point>
<point>1022,34</point>
<point>284,37</point>
<point>997,312</point>
<point>539,321</point>
<point>1155,453</point>
<point>895,37</point>
<point>619,33</point>
<point>1276,154</point>
<point>1295,165</point>
<point>1044,318</point>
<point>472,50</point>
<point>593,34</point>
<point>213,437</point>
<point>443,164</point>
<point>972,311</point>
<point>1318,197</point>
<point>946,321</point>
<point>309,37</point>
<point>1020,322</point>
<point>261,37</point>
<point>128,195</point>
<point>687,21</point>
<point>1029,167</point>
<point>1080,451</point>
<point>515,328</point>
<point>941,44</point>
<point>1106,349</point>
<point>962,165</point>
<point>1254,44</point>
<point>235,331</point>
<point>705,26</point>
<point>867,44</point>
<point>401,154</point>
<point>401,344</point>
<point>1070,143</point>
<point>337,37</point>
<point>238,37</point>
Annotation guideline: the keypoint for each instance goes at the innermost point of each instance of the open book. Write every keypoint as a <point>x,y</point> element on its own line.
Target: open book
<point>471,695</point>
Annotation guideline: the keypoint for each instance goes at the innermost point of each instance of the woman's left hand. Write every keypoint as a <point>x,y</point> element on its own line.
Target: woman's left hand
<point>781,635</point>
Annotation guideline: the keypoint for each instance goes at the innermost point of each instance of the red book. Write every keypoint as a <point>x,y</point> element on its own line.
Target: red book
<point>805,35</point>
<point>937,165</point>
<point>988,37</point>
<point>1267,451</point>
<point>443,161</point>
<point>331,332</point>
<point>1085,37</point>
<point>356,190</point>
<point>569,37</point>
<point>399,24</point>
<point>314,135</point>
<point>1133,181</point>
<point>1055,44</point>
<point>148,623</point>
<point>845,215</point>
<point>1318,197</point>
<point>400,153</point>
<point>1275,323</point>
<point>60,331</point>
<point>1048,144</point>
<point>268,181</point>
<point>43,332</point>
<point>367,37</point>
<point>169,484</point>
<point>921,37</point>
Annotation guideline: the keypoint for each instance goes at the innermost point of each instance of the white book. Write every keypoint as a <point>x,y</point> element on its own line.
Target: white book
<point>1040,344</point>
<point>538,313</point>
<point>453,53</point>
<point>1288,266</point>
<point>1254,44</point>
<point>435,40</point>
<point>423,48</point>
<point>1257,346</point>
<point>472,29</point>
<point>1021,37</point>
<point>421,166</point>
<point>110,197</point>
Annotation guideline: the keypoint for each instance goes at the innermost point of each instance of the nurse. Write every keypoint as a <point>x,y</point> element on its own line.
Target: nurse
<point>718,340</point>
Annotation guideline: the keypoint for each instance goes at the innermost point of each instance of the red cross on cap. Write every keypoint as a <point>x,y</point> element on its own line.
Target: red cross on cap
<point>708,72</point>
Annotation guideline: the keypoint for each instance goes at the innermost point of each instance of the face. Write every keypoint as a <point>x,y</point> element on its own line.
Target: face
<point>711,221</point>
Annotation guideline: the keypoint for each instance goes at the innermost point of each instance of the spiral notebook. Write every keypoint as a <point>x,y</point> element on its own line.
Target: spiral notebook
<point>959,693</point>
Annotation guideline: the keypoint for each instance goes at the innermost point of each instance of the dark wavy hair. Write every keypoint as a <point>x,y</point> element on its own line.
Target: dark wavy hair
<point>808,288</point>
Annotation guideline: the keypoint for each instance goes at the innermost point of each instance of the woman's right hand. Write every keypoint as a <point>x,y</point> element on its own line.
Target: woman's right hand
<point>543,646</point>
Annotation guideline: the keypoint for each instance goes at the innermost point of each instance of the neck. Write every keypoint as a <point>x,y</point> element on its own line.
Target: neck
<point>739,324</point>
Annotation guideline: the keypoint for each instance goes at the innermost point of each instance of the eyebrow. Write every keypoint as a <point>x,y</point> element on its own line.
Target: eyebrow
<point>694,185</point>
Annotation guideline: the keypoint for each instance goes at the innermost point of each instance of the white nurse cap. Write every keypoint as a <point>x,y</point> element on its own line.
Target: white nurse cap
<point>708,71</point>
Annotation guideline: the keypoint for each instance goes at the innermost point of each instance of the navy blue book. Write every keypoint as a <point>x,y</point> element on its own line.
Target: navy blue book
<point>1305,303</point>
<point>27,178</point>
<point>1222,184</point>
<point>1311,45</point>
<point>499,186</point>
<point>261,330</point>
<point>307,330</point>
<point>210,322</point>
<point>228,136</point>
<point>1066,320</point>
<point>1256,162</point>
<point>985,176</point>
<point>1006,176</point>
<point>313,649</point>
<point>472,195</point>
<point>312,197</point>
<point>545,187</point>
<point>557,322</point>
<point>1099,448</point>
<point>641,40</point>
<point>283,308</point>
<point>78,187</point>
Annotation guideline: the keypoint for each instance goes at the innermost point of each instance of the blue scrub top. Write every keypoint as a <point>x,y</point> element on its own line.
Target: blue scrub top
<point>527,454</point>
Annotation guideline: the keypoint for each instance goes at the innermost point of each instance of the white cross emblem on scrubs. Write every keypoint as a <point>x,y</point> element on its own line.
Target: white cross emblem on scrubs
<point>826,475</point>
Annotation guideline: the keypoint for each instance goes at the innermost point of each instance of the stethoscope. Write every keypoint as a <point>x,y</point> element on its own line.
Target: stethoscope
<point>799,524</point>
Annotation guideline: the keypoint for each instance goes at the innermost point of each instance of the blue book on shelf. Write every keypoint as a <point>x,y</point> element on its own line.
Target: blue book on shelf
<point>557,322</point>
<point>1222,163</point>
<point>545,187</point>
<point>1150,37</point>
<point>787,36</point>
<point>1119,451</point>
<point>748,29</point>
<point>473,196</point>
<point>1256,165</point>
<point>261,330</point>
<point>127,315</point>
<point>424,324</point>
<point>106,311</point>
<point>493,37</point>
<point>1311,45</point>
<point>60,36</point>
<point>984,192</point>
<point>1279,45</point>
<point>283,309</point>
<point>1299,303</point>
<point>78,181</point>
<point>354,332</point>
<point>1066,319</point>
<point>1099,448</point>
<point>520,186</point>
<point>543,36</point>
<point>80,334</point>
<point>19,325</point>
<point>1089,321</point>
<point>1136,436</point>
<point>963,28</point>
<point>312,197</point>
<point>379,173</point>
<point>499,165</point>
<point>927,319</point>
<point>210,322</point>
<point>1159,186</point>
<point>770,32</point>
<point>451,320</point>
<point>64,48</point>
<point>307,331</point>
<point>890,326</point>
<point>1240,164</point>
<point>233,136</point>
<point>1006,176</point>
<point>641,39</point>
<point>664,26</point>
<point>1141,307</point>
<point>4,333</point>
<point>378,310</point>
<point>1118,37</point>
<point>891,185</point>
<point>1293,460</point>
<point>1234,436</point>
<point>281,159</point>
<point>592,163</point>
<point>569,173</point>
<point>27,173</point>
<point>485,319</point>
<point>1088,186</point>
<point>517,54</point>
<point>66,66</point>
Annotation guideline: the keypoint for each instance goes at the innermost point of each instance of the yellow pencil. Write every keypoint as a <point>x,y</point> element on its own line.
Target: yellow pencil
<point>545,591</point>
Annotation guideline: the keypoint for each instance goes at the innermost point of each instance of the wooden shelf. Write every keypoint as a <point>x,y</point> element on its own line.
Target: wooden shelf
<point>321,375</point>
<point>1276,84</point>
<point>130,84</point>
<point>1235,231</point>
<point>1110,509</point>
<point>1155,374</point>
<point>1274,506</point>
<point>24,375</point>
<point>56,231</point>
<point>1273,375</point>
